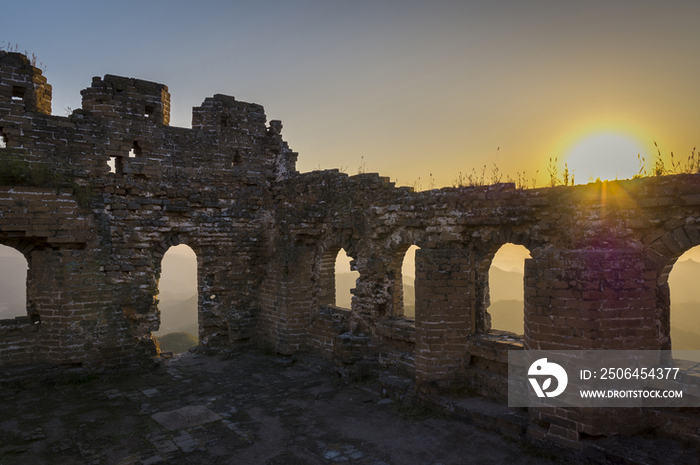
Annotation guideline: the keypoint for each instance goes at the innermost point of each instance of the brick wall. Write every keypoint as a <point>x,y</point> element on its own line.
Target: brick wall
<point>443,316</point>
<point>266,238</point>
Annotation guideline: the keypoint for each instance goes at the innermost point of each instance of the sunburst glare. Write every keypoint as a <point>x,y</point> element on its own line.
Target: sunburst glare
<point>605,156</point>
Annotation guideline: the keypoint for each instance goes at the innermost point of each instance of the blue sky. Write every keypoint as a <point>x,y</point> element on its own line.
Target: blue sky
<point>409,88</point>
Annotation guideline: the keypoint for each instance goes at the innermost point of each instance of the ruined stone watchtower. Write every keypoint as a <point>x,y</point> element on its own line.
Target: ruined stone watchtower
<point>101,195</point>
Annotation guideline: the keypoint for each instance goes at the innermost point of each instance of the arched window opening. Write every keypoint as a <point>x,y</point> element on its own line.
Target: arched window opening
<point>13,283</point>
<point>506,288</point>
<point>408,275</point>
<point>345,280</point>
<point>685,301</point>
<point>178,297</point>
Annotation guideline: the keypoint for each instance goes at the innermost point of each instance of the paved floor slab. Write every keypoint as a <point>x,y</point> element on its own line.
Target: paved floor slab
<point>185,417</point>
<point>242,409</point>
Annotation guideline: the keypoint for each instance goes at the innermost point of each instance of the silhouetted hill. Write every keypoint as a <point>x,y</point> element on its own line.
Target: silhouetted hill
<point>177,342</point>
<point>684,340</point>
<point>505,285</point>
<point>686,315</point>
<point>507,300</point>
<point>177,314</point>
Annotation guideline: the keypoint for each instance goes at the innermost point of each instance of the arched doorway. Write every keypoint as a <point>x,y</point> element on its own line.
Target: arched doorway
<point>178,300</point>
<point>408,275</point>
<point>13,283</point>
<point>685,301</point>
<point>506,288</point>
<point>345,280</point>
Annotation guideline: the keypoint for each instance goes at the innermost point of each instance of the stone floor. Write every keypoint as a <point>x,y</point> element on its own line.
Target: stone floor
<point>243,409</point>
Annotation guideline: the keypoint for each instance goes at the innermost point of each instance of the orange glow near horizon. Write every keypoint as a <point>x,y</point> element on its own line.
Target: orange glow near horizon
<point>606,155</point>
<point>606,149</point>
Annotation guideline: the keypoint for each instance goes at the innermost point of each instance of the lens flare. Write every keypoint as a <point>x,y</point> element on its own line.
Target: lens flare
<point>604,155</point>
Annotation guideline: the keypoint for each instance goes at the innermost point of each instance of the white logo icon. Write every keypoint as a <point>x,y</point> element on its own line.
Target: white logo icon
<point>543,368</point>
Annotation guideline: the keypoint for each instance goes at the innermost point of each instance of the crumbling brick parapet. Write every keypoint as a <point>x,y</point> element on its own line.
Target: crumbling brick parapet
<point>98,197</point>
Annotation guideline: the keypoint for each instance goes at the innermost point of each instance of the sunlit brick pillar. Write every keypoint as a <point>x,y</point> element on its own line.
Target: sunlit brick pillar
<point>443,318</point>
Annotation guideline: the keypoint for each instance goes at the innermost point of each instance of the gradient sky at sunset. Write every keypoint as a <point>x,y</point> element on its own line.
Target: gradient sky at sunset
<point>409,88</point>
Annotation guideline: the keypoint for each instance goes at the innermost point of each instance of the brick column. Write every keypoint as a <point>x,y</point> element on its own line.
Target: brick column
<point>443,318</point>
<point>591,299</point>
<point>286,300</point>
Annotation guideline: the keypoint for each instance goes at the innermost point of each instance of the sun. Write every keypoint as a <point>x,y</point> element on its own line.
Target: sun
<point>604,155</point>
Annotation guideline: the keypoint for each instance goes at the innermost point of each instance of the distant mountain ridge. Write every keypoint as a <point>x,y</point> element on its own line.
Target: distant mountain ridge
<point>179,275</point>
<point>505,285</point>
<point>177,314</point>
<point>177,342</point>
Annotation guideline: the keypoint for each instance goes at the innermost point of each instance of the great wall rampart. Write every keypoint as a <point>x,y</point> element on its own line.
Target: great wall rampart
<point>266,238</point>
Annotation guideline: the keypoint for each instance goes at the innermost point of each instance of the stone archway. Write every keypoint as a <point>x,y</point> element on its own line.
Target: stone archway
<point>14,268</point>
<point>178,303</point>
